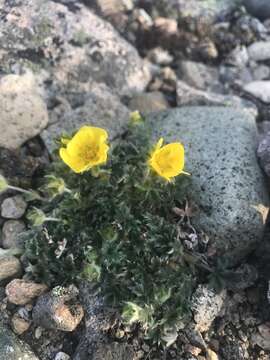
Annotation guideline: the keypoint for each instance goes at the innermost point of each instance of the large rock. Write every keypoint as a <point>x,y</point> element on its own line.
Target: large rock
<point>12,348</point>
<point>82,65</point>
<point>73,44</point>
<point>23,113</point>
<point>99,108</point>
<point>263,153</point>
<point>258,8</point>
<point>226,183</point>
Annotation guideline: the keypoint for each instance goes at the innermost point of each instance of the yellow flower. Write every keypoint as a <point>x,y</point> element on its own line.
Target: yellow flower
<point>168,161</point>
<point>86,149</point>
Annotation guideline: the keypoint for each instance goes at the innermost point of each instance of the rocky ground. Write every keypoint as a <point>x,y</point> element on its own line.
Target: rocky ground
<point>68,62</point>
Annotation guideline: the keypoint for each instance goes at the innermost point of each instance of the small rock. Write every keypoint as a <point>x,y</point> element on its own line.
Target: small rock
<point>23,113</point>
<point>206,306</point>
<point>160,56</point>
<point>62,356</point>
<point>193,350</point>
<point>258,8</point>
<point>21,292</point>
<point>261,72</point>
<point>263,153</point>
<point>238,57</point>
<point>259,89</point>
<point>13,207</point>
<point>58,310</point>
<point>188,95</point>
<point>10,267</point>
<point>259,51</point>
<point>11,348</point>
<point>11,232</point>
<point>211,355</point>
<point>149,102</point>
<point>195,337</point>
<point>262,337</point>
<point>19,325</point>
<point>199,75</point>
<point>107,8</point>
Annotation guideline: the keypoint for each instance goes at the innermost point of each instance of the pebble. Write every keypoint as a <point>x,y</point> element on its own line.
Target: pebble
<point>11,234</point>
<point>259,51</point>
<point>206,306</point>
<point>211,355</point>
<point>149,102</point>
<point>10,267</point>
<point>19,325</point>
<point>160,56</point>
<point>259,89</point>
<point>13,207</point>
<point>62,356</point>
<point>21,292</point>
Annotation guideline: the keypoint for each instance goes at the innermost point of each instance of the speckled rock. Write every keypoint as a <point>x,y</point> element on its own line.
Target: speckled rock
<point>97,319</point>
<point>227,183</point>
<point>11,348</point>
<point>11,231</point>
<point>100,108</point>
<point>23,113</point>
<point>258,8</point>
<point>21,292</point>
<point>206,306</point>
<point>58,309</point>
<point>13,207</point>
<point>263,152</point>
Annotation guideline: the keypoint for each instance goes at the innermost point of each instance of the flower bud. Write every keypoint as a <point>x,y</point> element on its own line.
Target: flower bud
<point>3,184</point>
<point>36,216</point>
<point>136,118</point>
<point>55,186</point>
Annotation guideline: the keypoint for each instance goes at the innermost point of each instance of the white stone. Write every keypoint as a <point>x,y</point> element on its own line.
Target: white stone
<point>23,113</point>
<point>259,89</point>
<point>259,51</point>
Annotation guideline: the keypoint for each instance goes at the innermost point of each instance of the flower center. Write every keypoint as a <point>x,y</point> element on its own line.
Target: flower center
<point>89,153</point>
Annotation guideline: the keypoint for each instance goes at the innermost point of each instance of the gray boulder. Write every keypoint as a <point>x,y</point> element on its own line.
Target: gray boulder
<point>74,45</point>
<point>12,348</point>
<point>100,108</point>
<point>226,183</point>
<point>258,8</point>
<point>263,153</point>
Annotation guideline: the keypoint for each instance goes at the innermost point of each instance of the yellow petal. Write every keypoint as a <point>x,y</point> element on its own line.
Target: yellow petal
<point>75,163</point>
<point>168,161</point>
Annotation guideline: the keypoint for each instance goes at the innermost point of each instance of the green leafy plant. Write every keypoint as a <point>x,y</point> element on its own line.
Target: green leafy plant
<point>115,226</point>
